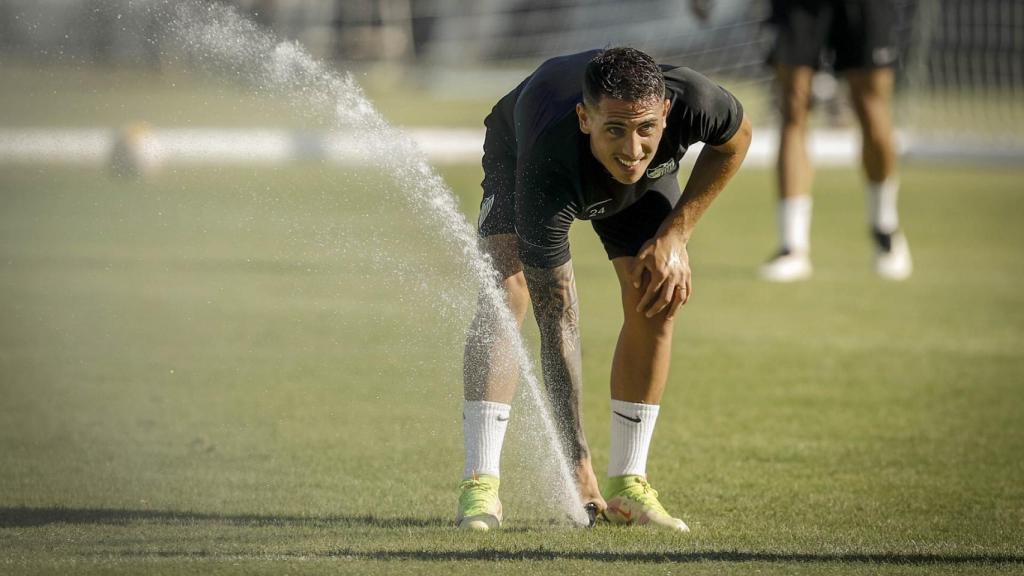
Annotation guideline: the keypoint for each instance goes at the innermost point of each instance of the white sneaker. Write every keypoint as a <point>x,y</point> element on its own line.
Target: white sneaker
<point>787,266</point>
<point>892,256</point>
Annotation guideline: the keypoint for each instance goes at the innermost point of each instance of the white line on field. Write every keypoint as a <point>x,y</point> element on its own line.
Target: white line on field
<point>441,145</point>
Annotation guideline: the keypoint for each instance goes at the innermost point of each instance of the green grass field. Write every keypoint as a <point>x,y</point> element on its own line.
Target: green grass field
<point>258,371</point>
<point>36,94</point>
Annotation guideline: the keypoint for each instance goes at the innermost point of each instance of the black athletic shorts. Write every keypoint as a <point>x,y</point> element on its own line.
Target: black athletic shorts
<point>622,234</point>
<point>841,34</point>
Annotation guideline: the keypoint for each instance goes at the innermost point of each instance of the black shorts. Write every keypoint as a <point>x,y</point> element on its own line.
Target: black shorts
<point>841,34</point>
<point>497,208</point>
<point>624,233</point>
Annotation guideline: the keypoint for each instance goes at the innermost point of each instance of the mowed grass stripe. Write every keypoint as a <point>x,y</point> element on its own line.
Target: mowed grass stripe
<point>254,370</point>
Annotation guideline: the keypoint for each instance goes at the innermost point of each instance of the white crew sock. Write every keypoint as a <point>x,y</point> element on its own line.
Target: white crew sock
<point>795,224</point>
<point>632,428</point>
<point>483,430</point>
<point>882,213</point>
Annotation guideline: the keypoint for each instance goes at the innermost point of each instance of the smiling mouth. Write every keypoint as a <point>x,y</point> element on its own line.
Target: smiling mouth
<point>628,163</point>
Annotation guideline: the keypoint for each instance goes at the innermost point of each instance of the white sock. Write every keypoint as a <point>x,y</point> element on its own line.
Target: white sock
<point>882,213</point>
<point>632,428</point>
<point>483,431</point>
<point>795,223</point>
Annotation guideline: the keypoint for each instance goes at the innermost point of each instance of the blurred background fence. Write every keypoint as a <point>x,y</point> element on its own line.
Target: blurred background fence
<point>961,78</point>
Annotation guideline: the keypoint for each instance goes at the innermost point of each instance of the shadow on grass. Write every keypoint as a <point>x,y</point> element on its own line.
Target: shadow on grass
<point>24,517</point>
<point>487,554</point>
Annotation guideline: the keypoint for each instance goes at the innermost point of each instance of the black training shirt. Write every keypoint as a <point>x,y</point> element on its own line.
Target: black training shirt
<point>558,179</point>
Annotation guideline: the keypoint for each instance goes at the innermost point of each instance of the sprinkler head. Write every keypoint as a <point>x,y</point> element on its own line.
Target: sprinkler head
<point>591,509</point>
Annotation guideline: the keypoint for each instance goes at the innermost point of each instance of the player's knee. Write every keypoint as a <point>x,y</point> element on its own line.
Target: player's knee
<point>876,133</point>
<point>656,327</point>
<point>515,286</point>
<point>661,325</point>
<point>659,329</point>
<point>518,295</point>
<point>503,249</point>
<point>871,108</point>
<point>795,105</point>
<point>794,113</point>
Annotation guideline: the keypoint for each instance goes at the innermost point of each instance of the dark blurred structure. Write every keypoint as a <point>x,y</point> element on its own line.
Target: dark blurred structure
<point>969,43</point>
<point>438,32</point>
<point>964,59</point>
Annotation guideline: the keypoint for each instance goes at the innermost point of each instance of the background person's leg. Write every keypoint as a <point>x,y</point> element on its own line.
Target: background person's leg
<point>871,92</point>
<point>795,172</point>
<point>795,175</point>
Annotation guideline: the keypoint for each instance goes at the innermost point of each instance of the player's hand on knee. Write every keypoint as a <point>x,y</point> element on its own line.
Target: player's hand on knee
<point>682,294</point>
<point>667,264</point>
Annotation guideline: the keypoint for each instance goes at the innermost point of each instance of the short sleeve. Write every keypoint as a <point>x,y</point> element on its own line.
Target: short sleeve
<point>711,112</point>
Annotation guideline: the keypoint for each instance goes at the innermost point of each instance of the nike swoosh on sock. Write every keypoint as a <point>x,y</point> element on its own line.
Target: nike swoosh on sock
<point>637,419</point>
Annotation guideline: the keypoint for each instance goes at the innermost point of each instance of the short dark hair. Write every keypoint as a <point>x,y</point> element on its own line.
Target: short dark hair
<point>623,73</point>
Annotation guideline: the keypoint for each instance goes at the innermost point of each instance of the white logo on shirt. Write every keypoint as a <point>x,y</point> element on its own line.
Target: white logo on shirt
<point>661,169</point>
<point>485,209</point>
<point>593,209</point>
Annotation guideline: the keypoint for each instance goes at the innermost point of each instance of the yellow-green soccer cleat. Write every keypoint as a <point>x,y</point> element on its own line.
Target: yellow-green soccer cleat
<point>479,507</point>
<point>632,501</point>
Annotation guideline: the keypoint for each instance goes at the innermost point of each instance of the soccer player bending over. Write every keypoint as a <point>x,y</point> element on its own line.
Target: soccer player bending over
<point>592,136</point>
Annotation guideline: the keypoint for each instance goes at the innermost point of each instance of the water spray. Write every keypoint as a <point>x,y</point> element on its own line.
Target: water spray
<point>215,37</point>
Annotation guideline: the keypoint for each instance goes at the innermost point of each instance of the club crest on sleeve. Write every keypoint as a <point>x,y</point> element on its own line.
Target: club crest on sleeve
<point>485,209</point>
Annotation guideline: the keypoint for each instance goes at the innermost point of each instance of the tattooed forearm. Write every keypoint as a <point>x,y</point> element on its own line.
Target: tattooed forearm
<point>553,292</point>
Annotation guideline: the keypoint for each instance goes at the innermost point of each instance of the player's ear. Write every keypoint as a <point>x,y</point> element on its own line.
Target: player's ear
<point>581,113</point>
<point>664,112</point>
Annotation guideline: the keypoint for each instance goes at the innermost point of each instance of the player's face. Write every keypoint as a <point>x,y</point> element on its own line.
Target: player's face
<point>624,135</point>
